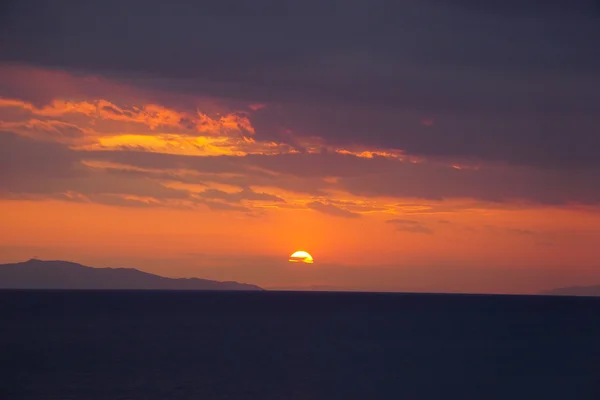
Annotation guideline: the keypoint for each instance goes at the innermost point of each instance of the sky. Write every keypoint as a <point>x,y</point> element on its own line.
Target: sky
<point>424,146</point>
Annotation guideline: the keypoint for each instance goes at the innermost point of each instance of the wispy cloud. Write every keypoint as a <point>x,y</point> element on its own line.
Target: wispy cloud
<point>153,116</point>
<point>412,226</point>
<point>331,209</point>
<point>238,143</point>
<point>236,197</point>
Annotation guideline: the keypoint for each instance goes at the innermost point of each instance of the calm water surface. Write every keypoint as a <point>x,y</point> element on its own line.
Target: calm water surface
<point>270,345</point>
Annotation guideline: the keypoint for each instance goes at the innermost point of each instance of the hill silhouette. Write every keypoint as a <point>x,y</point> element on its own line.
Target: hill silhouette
<point>38,274</point>
<point>575,291</point>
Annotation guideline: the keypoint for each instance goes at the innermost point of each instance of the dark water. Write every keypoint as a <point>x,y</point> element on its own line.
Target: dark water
<point>194,345</point>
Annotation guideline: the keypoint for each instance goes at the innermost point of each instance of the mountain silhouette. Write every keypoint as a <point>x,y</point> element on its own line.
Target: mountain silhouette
<point>575,291</point>
<point>38,274</point>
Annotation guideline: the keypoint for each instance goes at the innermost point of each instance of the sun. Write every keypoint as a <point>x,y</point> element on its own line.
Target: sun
<point>301,256</point>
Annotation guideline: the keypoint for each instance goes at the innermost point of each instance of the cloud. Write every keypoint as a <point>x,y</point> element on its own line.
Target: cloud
<point>124,133</point>
<point>236,197</point>
<point>167,145</point>
<point>317,174</point>
<point>482,72</point>
<point>222,206</point>
<point>331,209</point>
<point>123,200</point>
<point>360,206</point>
<point>493,183</point>
<point>57,131</point>
<point>23,160</point>
<point>33,169</point>
<point>380,177</point>
<point>153,116</point>
<point>406,225</point>
<point>518,8</point>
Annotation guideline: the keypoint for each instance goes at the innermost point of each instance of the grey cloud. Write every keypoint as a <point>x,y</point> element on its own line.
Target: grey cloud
<point>380,177</point>
<point>45,130</point>
<point>509,82</point>
<point>431,180</point>
<point>122,200</point>
<point>492,184</point>
<point>144,159</point>
<point>233,171</point>
<point>331,209</point>
<point>30,168</point>
<point>320,165</point>
<point>357,206</point>
<point>23,159</point>
<point>221,206</point>
<point>314,186</point>
<point>519,8</point>
<point>245,194</point>
<point>405,225</point>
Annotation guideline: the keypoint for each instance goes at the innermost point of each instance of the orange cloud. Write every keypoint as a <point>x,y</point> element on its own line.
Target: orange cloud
<point>204,168</point>
<point>77,123</point>
<point>372,153</point>
<point>58,131</point>
<point>256,107</point>
<point>228,123</point>
<point>82,124</point>
<point>152,115</point>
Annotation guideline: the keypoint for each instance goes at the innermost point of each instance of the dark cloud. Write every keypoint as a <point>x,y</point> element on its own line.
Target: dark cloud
<point>321,164</point>
<point>406,225</point>
<point>23,160</point>
<point>222,206</point>
<point>233,171</point>
<point>358,206</point>
<point>494,184</point>
<point>246,194</point>
<point>381,177</point>
<point>331,210</point>
<point>54,131</point>
<point>519,8</point>
<point>514,81</point>
<point>144,159</point>
<point>29,166</point>
<point>119,200</point>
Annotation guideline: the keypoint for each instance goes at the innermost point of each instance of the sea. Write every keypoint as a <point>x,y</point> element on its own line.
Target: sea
<point>147,345</point>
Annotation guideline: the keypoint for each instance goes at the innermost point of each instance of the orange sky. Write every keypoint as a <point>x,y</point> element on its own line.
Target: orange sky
<point>110,174</point>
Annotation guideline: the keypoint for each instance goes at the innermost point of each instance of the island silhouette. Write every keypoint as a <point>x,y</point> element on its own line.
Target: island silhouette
<point>40,274</point>
<point>574,291</point>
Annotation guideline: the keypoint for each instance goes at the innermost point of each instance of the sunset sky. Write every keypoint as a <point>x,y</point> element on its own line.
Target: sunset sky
<point>433,145</point>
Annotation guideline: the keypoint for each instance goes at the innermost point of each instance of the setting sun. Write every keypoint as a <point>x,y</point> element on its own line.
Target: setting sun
<point>301,256</point>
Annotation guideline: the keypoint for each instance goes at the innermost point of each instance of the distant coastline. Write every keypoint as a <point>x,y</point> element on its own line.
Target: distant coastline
<point>39,274</point>
<point>574,291</point>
